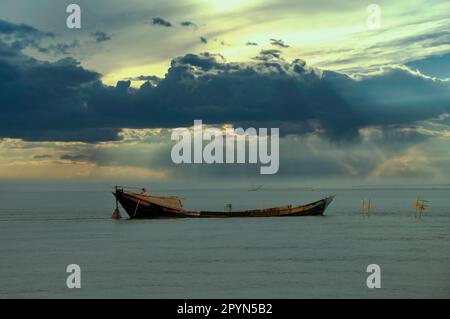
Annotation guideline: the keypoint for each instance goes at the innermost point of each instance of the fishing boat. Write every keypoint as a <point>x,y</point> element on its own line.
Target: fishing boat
<point>255,188</point>
<point>142,205</point>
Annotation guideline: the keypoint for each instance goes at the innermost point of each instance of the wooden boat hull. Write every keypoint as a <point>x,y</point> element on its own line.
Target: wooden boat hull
<point>138,208</point>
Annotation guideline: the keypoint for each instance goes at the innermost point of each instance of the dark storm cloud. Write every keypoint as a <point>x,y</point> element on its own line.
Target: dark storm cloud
<point>62,101</point>
<point>21,30</point>
<point>42,156</point>
<point>60,48</point>
<point>161,22</point>
<point>267,55</point>
<point>154,80</point>
<point>75,158</point>
<point>100,36</point>
<point>188,24</point>
<point>8,51</point>
<point>278,43</point>
<point>45,101</point>
<point>22,36</point>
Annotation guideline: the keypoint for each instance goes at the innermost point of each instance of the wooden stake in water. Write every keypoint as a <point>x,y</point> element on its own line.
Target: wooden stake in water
<point>420,206</point>
<point>366,208</point>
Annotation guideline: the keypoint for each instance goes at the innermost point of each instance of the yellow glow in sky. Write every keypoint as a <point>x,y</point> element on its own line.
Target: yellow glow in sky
<point>333,39</point>
<point>135,71</point>
<point>228,5</point>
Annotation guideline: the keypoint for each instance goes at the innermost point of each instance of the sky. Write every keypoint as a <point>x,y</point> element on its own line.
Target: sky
<point>354,105</point>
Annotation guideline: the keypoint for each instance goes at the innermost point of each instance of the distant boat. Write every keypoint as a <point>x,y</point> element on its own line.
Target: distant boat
<point>143,205</point>
<point>255,188</point>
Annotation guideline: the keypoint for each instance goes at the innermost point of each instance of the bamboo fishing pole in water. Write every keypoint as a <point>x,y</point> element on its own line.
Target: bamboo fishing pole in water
<point>366,208</point>
<point>420,206</point>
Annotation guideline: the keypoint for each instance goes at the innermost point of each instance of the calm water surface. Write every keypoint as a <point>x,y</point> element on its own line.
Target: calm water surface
<point>44,230</point>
